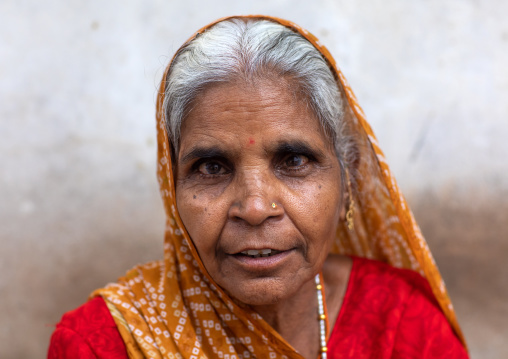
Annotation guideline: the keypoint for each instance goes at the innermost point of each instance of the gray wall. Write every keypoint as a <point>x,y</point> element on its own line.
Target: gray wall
<point>79,200</point>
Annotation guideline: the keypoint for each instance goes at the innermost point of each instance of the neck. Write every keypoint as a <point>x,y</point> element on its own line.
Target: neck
<point>296,319</point>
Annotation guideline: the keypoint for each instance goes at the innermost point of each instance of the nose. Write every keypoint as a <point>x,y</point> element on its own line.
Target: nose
<point>256,199</point>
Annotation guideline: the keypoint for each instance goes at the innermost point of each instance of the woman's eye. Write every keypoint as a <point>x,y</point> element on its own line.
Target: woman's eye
<point>211,168</point>
<point>296,161</point>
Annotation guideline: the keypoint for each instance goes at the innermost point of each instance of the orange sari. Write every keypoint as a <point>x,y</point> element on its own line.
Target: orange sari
<point>173,308</point>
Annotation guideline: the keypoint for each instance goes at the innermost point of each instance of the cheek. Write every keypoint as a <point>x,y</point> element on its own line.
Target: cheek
<point>202,219</point>
<point>326,205</point>
<point>316,212</point>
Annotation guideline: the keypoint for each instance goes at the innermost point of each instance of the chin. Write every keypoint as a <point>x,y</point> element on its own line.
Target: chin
<point>260,292</point>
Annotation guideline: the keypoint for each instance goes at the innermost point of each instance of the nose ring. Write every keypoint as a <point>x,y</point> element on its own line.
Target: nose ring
<point>274,205</point>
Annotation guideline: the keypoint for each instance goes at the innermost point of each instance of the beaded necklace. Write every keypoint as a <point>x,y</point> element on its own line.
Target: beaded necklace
<point>322,317</point>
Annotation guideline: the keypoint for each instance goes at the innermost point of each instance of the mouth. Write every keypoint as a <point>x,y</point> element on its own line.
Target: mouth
<point>262,260</point>
<point>256,253</point>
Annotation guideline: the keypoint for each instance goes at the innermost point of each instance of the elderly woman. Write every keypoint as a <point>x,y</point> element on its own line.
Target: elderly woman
<point>278,199</point>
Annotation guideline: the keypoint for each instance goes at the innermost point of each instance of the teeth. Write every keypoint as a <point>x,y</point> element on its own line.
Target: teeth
<point>256,253</point>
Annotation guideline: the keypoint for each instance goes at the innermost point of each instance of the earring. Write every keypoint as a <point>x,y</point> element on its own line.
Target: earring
<point>351,210</point>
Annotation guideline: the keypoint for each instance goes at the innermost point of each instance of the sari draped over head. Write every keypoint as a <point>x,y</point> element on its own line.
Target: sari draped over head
<point>173,309</point>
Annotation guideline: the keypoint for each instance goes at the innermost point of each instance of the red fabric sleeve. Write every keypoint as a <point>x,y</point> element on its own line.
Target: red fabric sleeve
<point>89,332</point>
<point>424,332</point>
<point>390,313</point>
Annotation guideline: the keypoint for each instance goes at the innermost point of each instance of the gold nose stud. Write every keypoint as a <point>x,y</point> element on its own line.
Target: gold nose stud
<point>274,206</point>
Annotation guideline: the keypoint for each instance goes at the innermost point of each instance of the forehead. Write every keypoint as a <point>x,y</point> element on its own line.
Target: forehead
<point>235,111</point>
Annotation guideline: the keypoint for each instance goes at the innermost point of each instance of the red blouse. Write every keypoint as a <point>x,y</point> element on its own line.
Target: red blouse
<point>386,313</point>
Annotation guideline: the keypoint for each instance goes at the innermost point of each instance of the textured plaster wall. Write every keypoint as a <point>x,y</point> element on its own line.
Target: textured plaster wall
<point>79,201</point>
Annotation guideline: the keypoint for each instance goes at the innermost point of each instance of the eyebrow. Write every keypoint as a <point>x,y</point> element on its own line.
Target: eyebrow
<point>283,147</point>
<point>298,146</point>
<point>204,152</point>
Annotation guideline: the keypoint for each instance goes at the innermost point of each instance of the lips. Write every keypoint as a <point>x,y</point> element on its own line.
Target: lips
<point>261,261</point>
<point>256,253</point>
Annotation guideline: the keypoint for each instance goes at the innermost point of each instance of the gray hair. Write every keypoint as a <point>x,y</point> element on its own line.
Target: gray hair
<point>251,49</point>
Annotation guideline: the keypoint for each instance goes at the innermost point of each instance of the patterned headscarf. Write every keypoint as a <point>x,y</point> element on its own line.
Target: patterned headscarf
<point>173,308</point>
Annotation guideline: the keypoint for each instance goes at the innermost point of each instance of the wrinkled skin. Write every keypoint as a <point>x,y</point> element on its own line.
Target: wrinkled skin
<point>243,147</point>
<point>258,145</point>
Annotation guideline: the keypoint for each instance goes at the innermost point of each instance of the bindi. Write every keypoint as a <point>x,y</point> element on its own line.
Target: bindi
<point>251,141</point>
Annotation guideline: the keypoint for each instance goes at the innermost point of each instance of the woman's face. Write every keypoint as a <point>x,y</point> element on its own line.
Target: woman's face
<point>244,147</point>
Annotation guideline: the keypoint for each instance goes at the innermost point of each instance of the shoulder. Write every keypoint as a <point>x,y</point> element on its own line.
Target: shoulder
<point>394,284</point>
<point>87,332</point>
<point>392,311</point>
<point>377,295</point>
